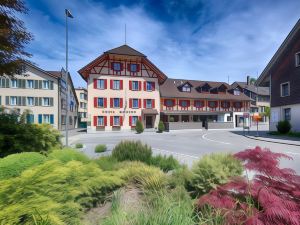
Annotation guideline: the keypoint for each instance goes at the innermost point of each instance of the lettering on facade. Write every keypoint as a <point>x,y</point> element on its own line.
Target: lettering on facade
<point>121,112</point>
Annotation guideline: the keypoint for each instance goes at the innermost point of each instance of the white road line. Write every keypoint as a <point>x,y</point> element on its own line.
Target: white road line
<point>292,153</point>
<point>175,153</point>
<point>221,142</point>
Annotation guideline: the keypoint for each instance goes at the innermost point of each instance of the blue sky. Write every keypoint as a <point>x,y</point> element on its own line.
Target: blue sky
<point>190,39</point>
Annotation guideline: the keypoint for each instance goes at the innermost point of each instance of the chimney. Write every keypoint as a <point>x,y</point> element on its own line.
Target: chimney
<point>248,80</point>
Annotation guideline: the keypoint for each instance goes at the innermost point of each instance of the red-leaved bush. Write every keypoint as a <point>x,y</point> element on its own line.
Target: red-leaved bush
<point>271,197</point>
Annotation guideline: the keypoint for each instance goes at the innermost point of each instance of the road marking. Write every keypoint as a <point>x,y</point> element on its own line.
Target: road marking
<point>175,153</point>
<point>221,142</point>
<point>292,153</point>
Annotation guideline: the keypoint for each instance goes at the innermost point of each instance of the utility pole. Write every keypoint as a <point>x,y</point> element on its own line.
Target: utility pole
<point>68,15</point>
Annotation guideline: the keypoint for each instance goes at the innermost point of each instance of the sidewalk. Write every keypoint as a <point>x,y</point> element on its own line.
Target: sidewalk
<point>264,136</point>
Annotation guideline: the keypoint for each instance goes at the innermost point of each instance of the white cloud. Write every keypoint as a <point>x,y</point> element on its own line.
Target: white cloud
<point>237,44</point>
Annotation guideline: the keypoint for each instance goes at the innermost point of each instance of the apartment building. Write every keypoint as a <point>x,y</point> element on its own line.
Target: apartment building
<point>260,98</point>
<point>42,93</point>
<point>125,86</point>
<point>82,107</point>
<point>282,75</point>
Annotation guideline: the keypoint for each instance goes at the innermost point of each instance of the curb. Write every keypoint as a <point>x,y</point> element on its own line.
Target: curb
<point>277,142</point>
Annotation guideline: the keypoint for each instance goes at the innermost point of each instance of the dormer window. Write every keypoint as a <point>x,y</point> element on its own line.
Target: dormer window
<point>206,87</point>
<point>236,92</point>
<point>297,59</point>
<point>186,88</point>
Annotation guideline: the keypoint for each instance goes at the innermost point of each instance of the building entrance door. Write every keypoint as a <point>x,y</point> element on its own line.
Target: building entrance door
<point>149,122</point>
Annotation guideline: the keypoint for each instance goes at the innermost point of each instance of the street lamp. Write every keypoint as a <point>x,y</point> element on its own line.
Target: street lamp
<point>68,15</point>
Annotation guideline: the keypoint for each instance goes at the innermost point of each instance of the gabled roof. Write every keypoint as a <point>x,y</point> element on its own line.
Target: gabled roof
<point>184,83</point>
<point>169,89</point>
<point>125,50</point>
<point>38,68</point>
<point>252,88</point>
<point>288,40</point>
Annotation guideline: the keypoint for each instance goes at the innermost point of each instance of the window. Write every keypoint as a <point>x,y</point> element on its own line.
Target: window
<point>46,118</point>
<point>100,84</point>
<point>225,105</point>
<point>46,101</point>
<point>212,104</point>
<point>184,103</point>
<point>287,114</point>
<point>229,118</point>
<point>236,92</point>
<point>237,105</point>
<point>63,120</point>
<point>70,120</point>
<point>82,96</point>
<point>134,119</point>
<point>30,101</point>
<point>45,84</point>
<point>135,103</point>
<point>297,58</point>
<point>185,118</point>
<point>14,83</point>
<point>117,66</point>
<point>100,121</point>
<point>149,86</point>
<point>29,83</point>
<point>116,85</point>
<point>169,103</point>
<point>13,100</point>
<point>116,120</point>
<point>100,102</point>
<point>149,103</point>
<point>199,104</point>
<point>116,103</point>
<point>135,85</point>
<point>186,88</point>
<point>133,67</point>
<point>285,89</point>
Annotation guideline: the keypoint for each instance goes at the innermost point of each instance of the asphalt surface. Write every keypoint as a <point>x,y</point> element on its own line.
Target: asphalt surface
<point>188,145</point>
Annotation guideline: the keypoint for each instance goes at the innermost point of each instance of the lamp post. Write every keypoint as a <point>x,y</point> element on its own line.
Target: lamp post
<point>68,15</point>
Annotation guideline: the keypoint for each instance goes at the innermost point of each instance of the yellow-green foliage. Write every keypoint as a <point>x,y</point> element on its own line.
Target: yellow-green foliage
<point>67,154</point>
<point>213,170</point>
<point>13,165</point>
<point>149,177</point>
<point>58,190</point>
<point>106,162</point>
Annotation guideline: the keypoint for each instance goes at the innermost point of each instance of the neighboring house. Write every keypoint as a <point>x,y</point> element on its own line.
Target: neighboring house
<point>197,104</point>
<point>82,107</point>
<point>260,97</point>
<point>124,86</point>
<point>282,75</point>
<point>38,91</point>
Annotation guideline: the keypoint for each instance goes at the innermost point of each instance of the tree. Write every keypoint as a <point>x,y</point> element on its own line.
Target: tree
<point>252,80</point>
<point>161,127</point>
<point>139,127</point>
<point>13,37</point>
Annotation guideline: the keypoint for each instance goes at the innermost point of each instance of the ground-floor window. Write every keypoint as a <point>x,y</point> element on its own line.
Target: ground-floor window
<point>70,120</point>
<point>174,118</point>
<point>116,121</point>
<point>287,114</point>
<point>63,120</point>
<point>134,120</point>
<point>46,118</point>
<point>100,121</point>
<point>185,118</point>
<point>197,118</point>
<point>229,118</point>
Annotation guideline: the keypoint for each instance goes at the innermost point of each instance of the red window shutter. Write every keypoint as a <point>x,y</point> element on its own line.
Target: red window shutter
<point>105,120</point>
<point>105,84</point>
<point>112,65</point>
<point>95,120</point>
<point>121,121</point>
<point>105,102</point>
<point>137,67</point>
<point>140,85</point>
<point>111,84</point>
<point>153,103</point>
<point>145,102</point>
<point>188,103</point>
<point>140,103</point>
<point>174,102</point>
<point>130,120</point>
<point>121,65</point>
<point>95,83</point>
<point>111,120</point>
<point>95,102</point>
<point>153,86</point>
<point>130,103</point>
<point>180,102</point>
<point>121,102</point>
<point>128,67</point>
<point>111,102</point>
<point>130,85</point>
<point>121,84</point>
<point>145,85</point>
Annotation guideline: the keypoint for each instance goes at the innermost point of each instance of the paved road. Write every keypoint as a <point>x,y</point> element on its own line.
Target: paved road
<point>189,145</point>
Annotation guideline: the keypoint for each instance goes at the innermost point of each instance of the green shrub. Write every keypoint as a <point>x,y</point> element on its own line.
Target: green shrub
<point>284,127</point>
<point>67,154</point>
<point>78,145</point>
<point>107,162</point>
<point>139,127</point>
<point>13,165</point>
<point>100,148</point>
<point>181,176</point>
<point>59,191</point>
<point>17,136</point>
<point>166,163</point>
<point>132,151</point>
<point>161,127</point>
<point>213,170</point>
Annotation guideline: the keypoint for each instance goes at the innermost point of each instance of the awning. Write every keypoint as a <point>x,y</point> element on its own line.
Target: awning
<point>149,111</point>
